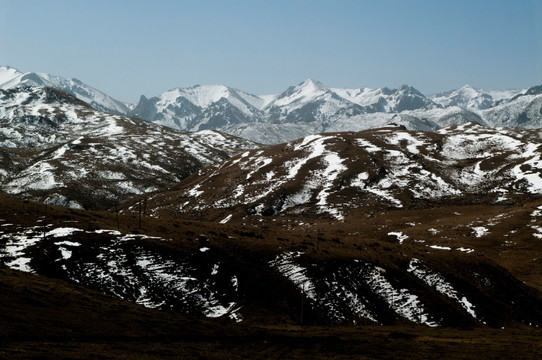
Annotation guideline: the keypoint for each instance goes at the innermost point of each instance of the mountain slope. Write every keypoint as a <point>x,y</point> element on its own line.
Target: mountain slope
<point>199,108</point>
<point>44,317</point>
<point>334,174</point>
<point>523,111</point>
<point>473,99</point>
<point>12,78</point>
<point>56,148</point>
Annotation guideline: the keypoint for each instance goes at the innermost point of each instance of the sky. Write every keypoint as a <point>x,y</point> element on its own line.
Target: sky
<point>130,48</point>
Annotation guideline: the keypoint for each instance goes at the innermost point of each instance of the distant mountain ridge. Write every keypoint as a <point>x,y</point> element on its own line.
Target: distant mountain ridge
<point>307,108</point>
<point>311,102</point>
<point>312,107</point>
<point>12,78</point>
<point>473,99</point>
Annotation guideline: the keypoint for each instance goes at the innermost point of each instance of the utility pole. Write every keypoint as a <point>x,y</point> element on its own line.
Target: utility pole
<point>302,296</point>
<point>117,216</point>
<point>145,206</point>
<point>140,214</point>
<point>44,221</point>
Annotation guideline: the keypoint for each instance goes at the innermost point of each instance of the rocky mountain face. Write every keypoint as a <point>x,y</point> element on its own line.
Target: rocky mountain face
<point>58,149</point>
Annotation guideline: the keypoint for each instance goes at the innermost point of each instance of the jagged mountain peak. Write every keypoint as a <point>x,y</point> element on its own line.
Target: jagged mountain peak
<point>311,83</point>
<point>467,91</point>
<point>6,69</point>
<point>200,95</point>
<point>405,98</point>
<point>9,69</point>
<point>535,90</point>
<point>409,88</point>
<point>465,97</point>
<point>8,74</point>
<point>306,91</point>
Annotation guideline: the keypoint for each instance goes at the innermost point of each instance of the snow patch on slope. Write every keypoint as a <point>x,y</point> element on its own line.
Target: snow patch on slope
<point>437,281</point>
<point>400,300</point>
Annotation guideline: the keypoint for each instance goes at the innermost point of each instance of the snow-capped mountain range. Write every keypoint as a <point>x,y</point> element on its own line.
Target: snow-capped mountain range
<point>307,108</point>
<point>301,110</point>
<point>324,218</point>
<point>311,107</point>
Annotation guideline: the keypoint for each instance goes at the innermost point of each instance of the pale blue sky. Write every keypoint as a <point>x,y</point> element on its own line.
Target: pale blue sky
<point>129,48</point>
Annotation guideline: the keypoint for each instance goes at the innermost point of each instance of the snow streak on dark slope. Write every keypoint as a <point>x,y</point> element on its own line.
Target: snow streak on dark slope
<point>332,174</point>
<point>209,282</point>
<point>127,266</point>
<point>56,148</point>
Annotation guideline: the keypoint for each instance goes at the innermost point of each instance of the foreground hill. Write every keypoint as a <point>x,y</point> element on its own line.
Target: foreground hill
<point>56,148</point>
<point>440,267</point>
<point>48,318</point>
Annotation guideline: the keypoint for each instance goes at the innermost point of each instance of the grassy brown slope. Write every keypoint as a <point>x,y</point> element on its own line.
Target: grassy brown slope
<point>49,318</point>
<point>40,308</point>
<point>511,240</point>
<point>247,248</point>
<point>333,174</point>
